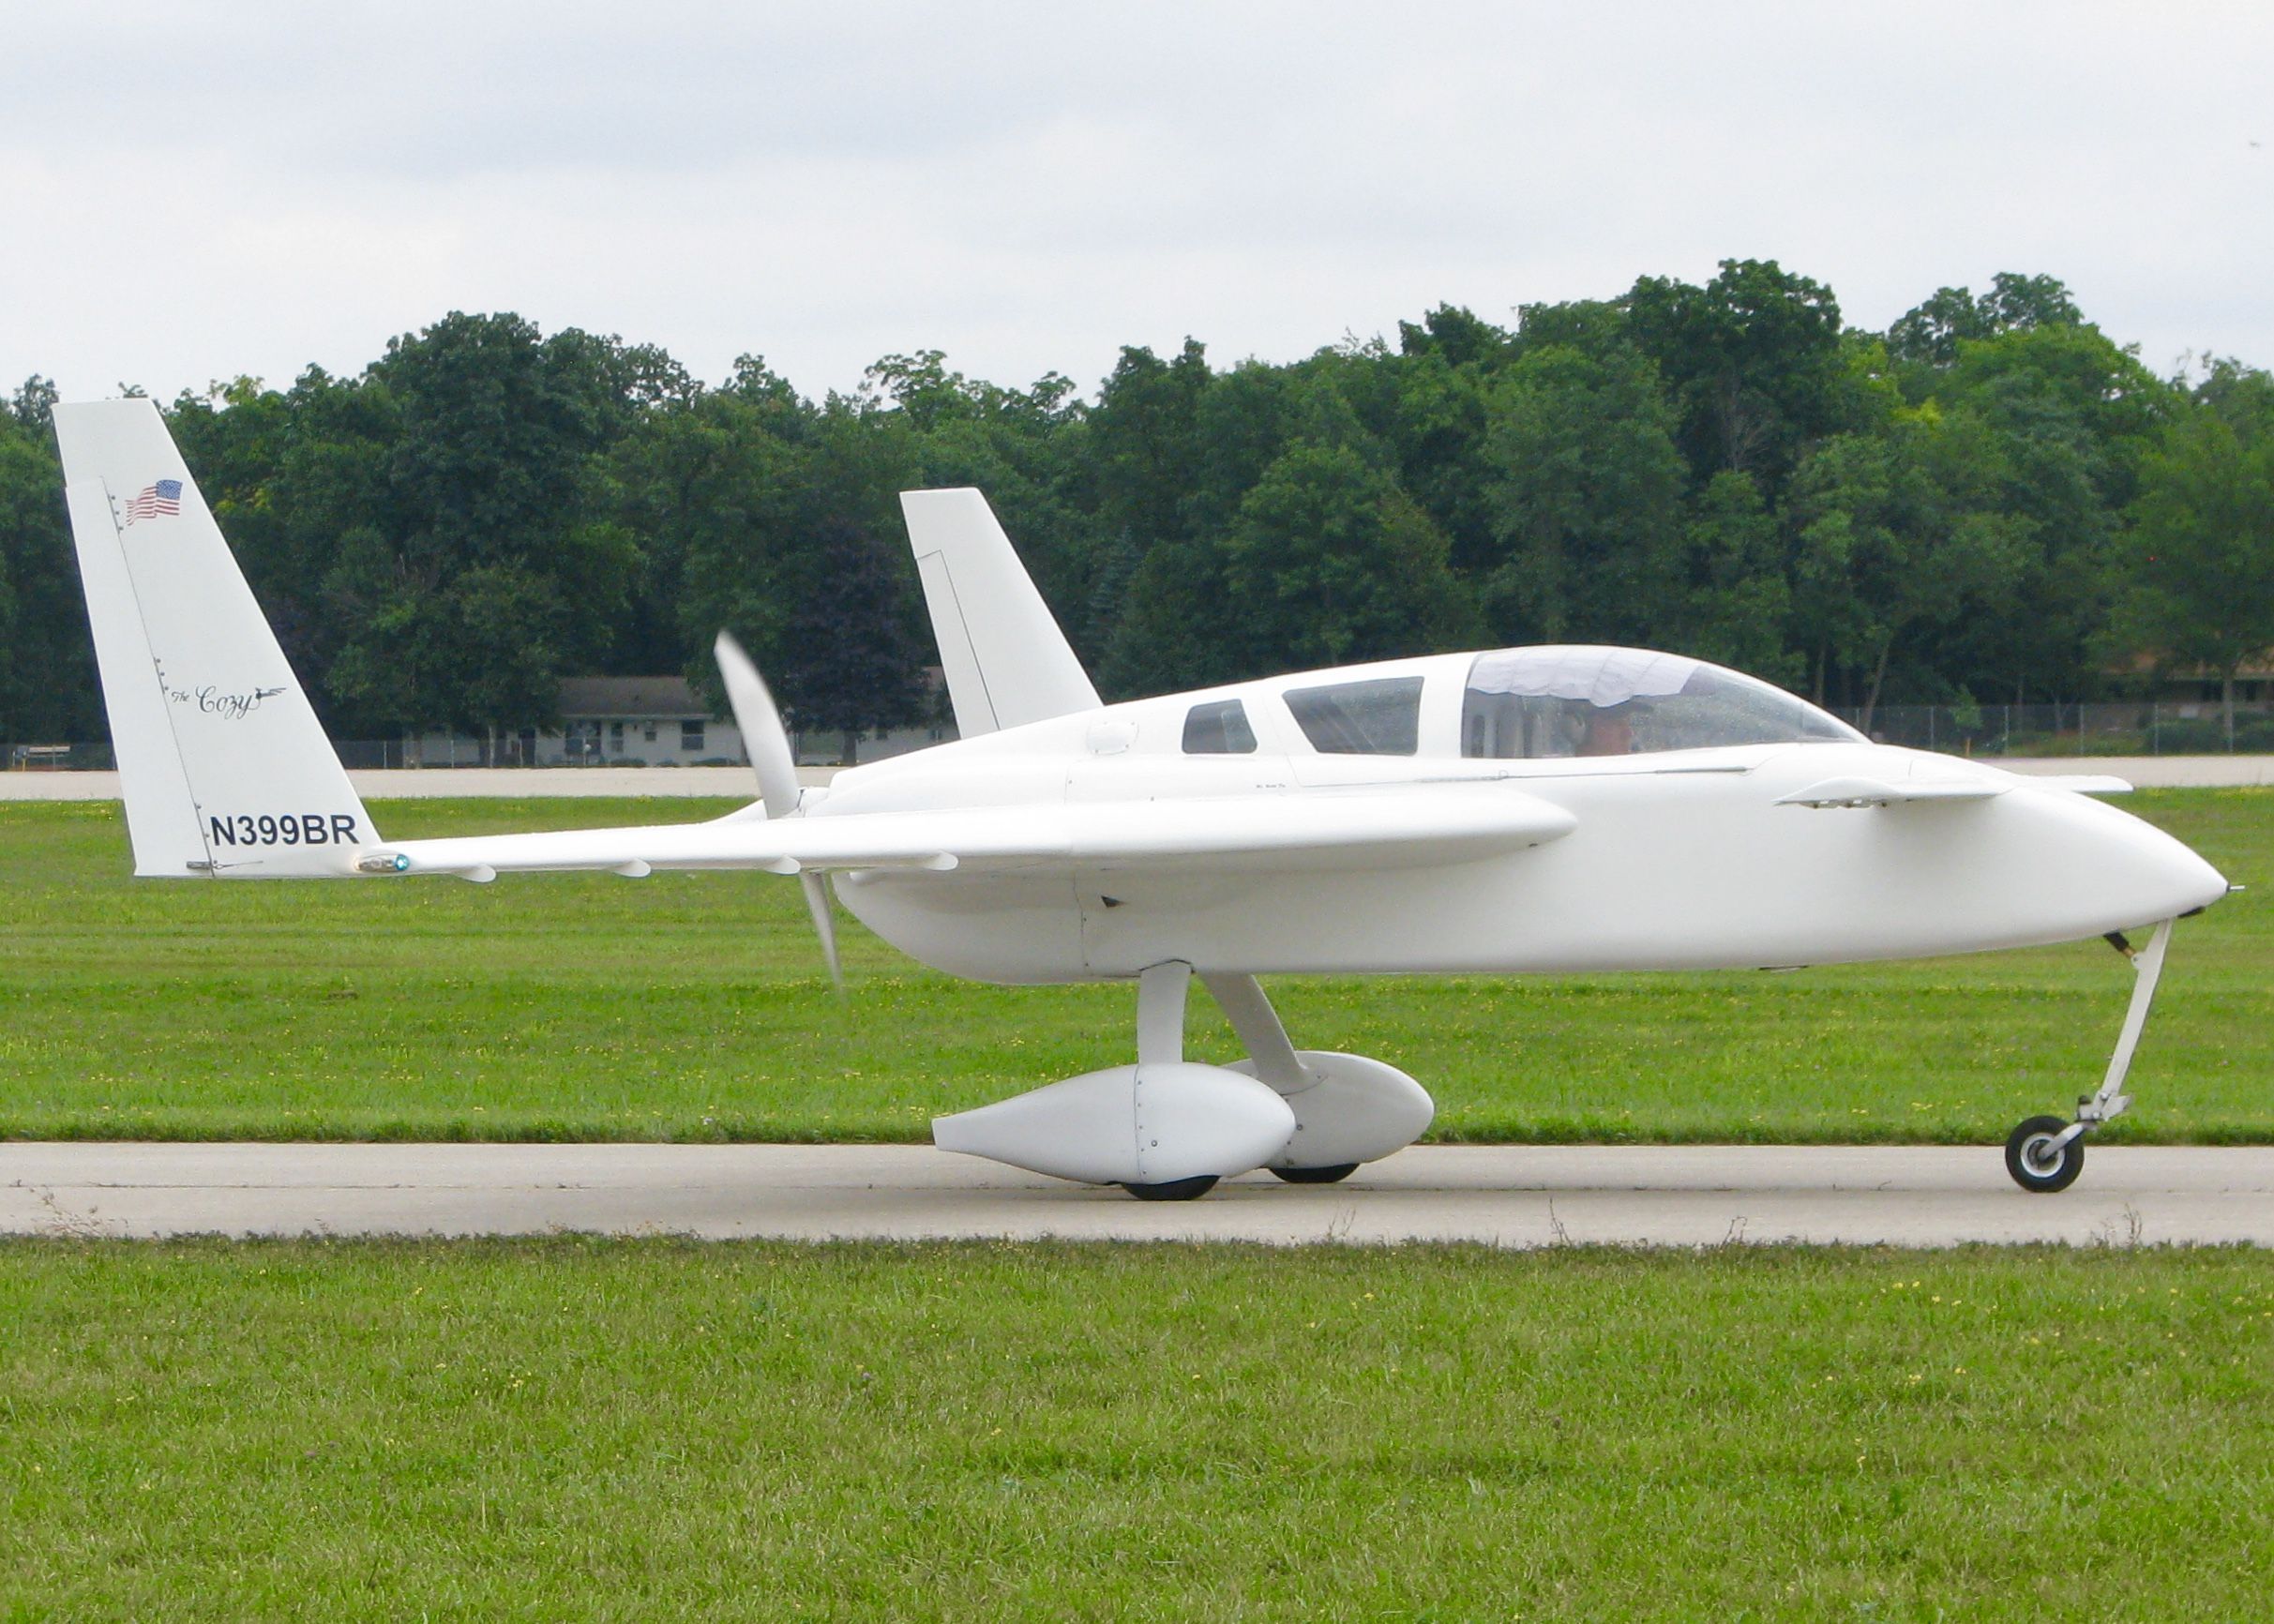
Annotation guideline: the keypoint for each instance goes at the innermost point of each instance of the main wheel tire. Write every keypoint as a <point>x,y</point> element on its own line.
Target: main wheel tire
<point>1333,1175</point>
<point>1175,1190</point>
<point>2036,1164</point>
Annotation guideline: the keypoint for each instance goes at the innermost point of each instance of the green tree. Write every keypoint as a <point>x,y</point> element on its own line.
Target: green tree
<point>499,659</point>
<point>1585,496</point>
<point>1330,561</point>
<point>2242,395</point>
<point>1930,334</point>
<point>30,404</point>
<point>488,466</point>
<point>733,493</point>
<point>47,692</point>
<point>1144,443</point>
<point>1143,451</point>
<point>1023,448</point>
<point>2073,414</point>
<point>1740,593</point>
<point>855,662</point>
<point>2200,554</point>
<point>1898,531</point>
<point>475,654</point>
<point>1438,416</point>
<point>1752,359</point>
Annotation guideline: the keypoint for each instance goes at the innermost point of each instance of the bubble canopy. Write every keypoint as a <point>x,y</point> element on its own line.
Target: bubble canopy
<point>1590,701</point>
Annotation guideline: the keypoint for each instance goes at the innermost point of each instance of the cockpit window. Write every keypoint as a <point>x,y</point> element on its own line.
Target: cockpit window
<point>1218,727</point>
<point>1603,701</point>
<point>1383,717</point>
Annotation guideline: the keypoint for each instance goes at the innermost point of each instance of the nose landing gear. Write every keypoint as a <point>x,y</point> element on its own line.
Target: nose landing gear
<point>2046,1154</point>
<point>2043,1157</point>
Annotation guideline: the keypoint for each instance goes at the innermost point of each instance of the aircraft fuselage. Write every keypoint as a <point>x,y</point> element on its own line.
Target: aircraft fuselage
<point>1678,859</point>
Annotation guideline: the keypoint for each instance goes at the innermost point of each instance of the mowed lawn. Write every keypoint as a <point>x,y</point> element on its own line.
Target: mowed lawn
<point>585,1430</point>
<point>695,1006</point>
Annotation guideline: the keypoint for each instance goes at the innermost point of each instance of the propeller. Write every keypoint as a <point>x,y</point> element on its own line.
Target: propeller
<point>768,743</point>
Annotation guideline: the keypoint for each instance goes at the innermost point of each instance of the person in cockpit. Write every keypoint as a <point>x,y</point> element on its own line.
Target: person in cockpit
<point>1607,730</point>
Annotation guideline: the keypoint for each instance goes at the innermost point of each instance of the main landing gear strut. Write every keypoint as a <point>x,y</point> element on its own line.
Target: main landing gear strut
<point>2044,1154</point>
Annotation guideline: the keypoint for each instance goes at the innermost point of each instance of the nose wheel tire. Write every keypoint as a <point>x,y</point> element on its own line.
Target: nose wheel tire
<point>1175,1189</point>
<point>2038,1163</point>
<point>1333,1175</point>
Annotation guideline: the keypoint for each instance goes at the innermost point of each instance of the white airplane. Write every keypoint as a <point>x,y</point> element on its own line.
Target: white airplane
<point>1530,809</point>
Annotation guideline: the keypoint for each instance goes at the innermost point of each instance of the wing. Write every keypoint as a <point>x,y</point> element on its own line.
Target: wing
<point>1373,830</point>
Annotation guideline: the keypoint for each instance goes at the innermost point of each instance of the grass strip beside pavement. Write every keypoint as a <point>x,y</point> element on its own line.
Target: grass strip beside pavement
<point>694,1006</point>
<point>576,1429</point>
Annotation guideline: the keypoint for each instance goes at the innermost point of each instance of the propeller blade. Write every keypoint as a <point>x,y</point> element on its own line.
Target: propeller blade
<point>824,921</point>
<point>760,723</point>
<point>768,742</point>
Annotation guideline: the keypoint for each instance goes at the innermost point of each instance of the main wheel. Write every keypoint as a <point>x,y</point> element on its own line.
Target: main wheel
<point>1175,1190</point>
<point>2039,1163</point>
<point>1333,1175</point>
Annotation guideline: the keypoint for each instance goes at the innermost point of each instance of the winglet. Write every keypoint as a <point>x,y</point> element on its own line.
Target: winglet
<point>1007,661</point>
<point>225,769</point>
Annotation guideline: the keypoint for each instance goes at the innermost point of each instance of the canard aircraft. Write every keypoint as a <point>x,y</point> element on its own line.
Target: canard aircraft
<point>1547,810</point>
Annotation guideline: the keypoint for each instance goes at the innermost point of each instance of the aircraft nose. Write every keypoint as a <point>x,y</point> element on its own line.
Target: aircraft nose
<point>2155,875</point>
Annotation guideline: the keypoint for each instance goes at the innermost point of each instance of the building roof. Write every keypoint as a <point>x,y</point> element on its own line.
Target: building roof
<point>630,699</point>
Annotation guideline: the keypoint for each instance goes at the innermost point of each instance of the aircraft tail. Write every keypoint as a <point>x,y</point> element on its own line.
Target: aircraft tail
<point>1007,661</point>
<point>225,769</point>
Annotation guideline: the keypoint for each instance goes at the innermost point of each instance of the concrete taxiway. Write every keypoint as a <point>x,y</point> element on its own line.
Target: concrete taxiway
<point>1503,1195</point>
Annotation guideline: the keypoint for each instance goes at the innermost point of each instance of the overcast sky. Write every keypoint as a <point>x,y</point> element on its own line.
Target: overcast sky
<point>190,191</point>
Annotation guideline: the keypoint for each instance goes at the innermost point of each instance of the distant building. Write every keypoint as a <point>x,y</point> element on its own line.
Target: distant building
<point>2253,684</point>
<point>637,722</point>
<point>656,721</point>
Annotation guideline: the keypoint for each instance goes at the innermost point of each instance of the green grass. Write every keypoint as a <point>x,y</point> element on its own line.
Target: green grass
<point>578,1429</point>
<point>695,1007</point>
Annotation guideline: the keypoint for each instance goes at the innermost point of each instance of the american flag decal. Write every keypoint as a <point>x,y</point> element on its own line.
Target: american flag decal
<point>158,501</point>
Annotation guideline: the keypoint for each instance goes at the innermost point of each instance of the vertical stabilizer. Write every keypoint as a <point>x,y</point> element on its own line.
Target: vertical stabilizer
<point>1006,660</point>
<point>224,767</point>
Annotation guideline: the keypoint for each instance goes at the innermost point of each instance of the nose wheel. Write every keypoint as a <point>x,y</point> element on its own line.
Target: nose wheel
<point>2043,1157</point>
<point>2046,1154</point>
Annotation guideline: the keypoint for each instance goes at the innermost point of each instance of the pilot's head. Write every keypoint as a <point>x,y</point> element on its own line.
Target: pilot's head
<point>1609,730</point>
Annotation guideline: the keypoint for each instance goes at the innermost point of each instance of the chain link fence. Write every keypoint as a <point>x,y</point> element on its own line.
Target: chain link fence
<point>2112,728</point>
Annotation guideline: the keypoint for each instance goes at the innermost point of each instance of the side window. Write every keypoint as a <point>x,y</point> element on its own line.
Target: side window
<point>1218,727</point>
<point>1383,717</point>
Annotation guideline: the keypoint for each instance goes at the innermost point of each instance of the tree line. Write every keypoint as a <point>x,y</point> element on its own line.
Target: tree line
<point>1989,501</point>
